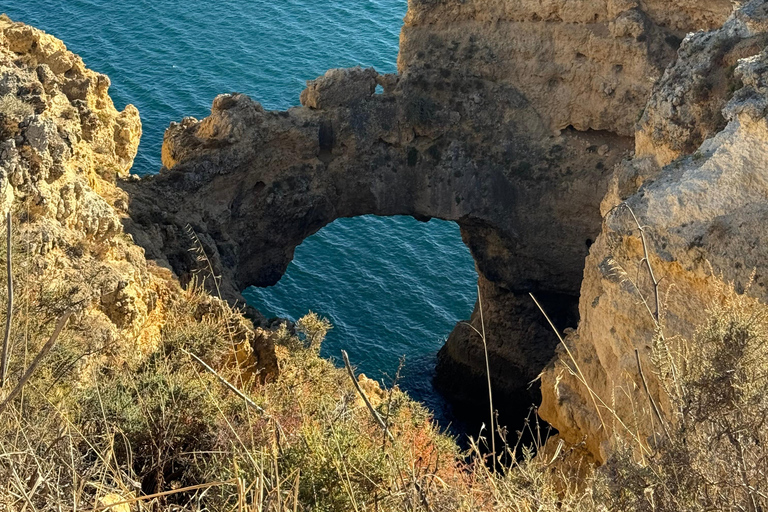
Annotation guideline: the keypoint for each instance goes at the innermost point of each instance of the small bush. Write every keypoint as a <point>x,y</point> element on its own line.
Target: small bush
<point>313,328</point>
<point>13,107</point>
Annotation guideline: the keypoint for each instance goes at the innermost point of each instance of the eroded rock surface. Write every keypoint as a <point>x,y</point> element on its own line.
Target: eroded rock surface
<point>63,146</point>
<point>704,216</point>
<point>506,118</point>
<point>686,107</point>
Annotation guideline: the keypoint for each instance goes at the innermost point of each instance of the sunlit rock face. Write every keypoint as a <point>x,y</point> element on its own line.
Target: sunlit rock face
<point>704,217</point>
<point>505,117</point>
<point>526,123</point>
<point>63,149</point>
<point>62,146</point>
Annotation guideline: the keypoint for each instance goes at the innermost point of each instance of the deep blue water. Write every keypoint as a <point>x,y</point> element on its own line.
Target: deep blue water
<point>390,286</point>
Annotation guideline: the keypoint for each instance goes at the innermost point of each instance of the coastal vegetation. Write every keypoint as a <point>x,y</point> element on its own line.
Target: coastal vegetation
<point>131,380</point>
<point>191,426</point>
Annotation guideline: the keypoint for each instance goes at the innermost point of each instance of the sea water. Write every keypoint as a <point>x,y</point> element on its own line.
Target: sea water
<point>392,287</point>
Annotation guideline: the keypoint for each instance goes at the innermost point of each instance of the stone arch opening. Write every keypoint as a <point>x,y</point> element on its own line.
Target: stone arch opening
<point>512,132</point>
<point>254,184</point>
<point>391,286</point>
<point>449,375</point>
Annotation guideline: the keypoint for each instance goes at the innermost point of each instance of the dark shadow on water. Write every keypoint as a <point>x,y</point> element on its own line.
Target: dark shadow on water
<point>417,379</point>
<point>516,423</point>
<point>515,415</point>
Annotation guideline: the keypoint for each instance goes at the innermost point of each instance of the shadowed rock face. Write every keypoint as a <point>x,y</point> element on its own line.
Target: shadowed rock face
<point>506,118</point>
<point>254,184</point>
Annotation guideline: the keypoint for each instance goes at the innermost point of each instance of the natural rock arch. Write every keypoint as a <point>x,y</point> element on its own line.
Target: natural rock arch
<point>511,129</point>
<point>254,184</point>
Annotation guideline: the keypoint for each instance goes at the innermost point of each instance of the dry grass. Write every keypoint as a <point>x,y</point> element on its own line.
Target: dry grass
<point>165,432</point>
<point>715,456</point>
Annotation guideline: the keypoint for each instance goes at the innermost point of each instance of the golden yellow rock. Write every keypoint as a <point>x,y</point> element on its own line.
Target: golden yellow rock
<point>372,389</point>
<point>111,498</point>
<point>63,146</point>
<point>704,219</point>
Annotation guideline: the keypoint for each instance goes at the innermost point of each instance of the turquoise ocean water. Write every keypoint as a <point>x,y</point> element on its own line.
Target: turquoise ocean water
<point>392,287</point>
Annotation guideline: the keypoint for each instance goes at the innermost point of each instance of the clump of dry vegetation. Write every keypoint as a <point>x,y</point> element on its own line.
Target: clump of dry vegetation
<point>190,427</point>
<point>713,454</point>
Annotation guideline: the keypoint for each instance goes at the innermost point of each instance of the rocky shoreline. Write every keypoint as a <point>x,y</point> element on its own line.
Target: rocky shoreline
<point>525,125</point>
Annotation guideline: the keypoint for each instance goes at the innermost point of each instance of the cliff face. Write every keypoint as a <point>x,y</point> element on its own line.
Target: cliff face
<point>704,218</point>
<point>504,118</point>
<point>687,106</point>
<point>587,65</point>
<point>63,147</point>
<point>515,121</point>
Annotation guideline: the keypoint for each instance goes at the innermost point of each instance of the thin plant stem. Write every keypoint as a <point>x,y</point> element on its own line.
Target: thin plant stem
<point>226,383</point>
<point>655,316</point>
<point>36,361</point>
<point>232,481</point>
<point>488,375</point>
<point>573,359</point>
<point>375,414</point>
<point>594,396</point>
<point>650,397</point>
<point>487,369</point>
<point>389,398</point>
<point>9,310</point>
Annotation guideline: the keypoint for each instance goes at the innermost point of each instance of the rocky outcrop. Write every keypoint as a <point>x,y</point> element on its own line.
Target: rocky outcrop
<point>704,219</point>
<point>63,146</point>
<point>686,106</point>
<point>515,120</point>
<point>505,118</point>
<point>253,184</point>
<point>586,64</point>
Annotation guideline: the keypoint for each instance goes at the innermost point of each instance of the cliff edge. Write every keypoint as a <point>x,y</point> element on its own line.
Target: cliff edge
<point>552,133</point>
<point>676,241</point>
<point>63,149</point>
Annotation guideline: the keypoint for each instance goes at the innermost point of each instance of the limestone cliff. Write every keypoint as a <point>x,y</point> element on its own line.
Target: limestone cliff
<point>686,106</point>
<point>704,219</point>
<point>506,118</point>
<point>63,146</point>
<point>516,120</point>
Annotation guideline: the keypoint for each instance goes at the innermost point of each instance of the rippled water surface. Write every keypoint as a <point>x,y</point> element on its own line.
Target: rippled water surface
<point>391,286</point>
